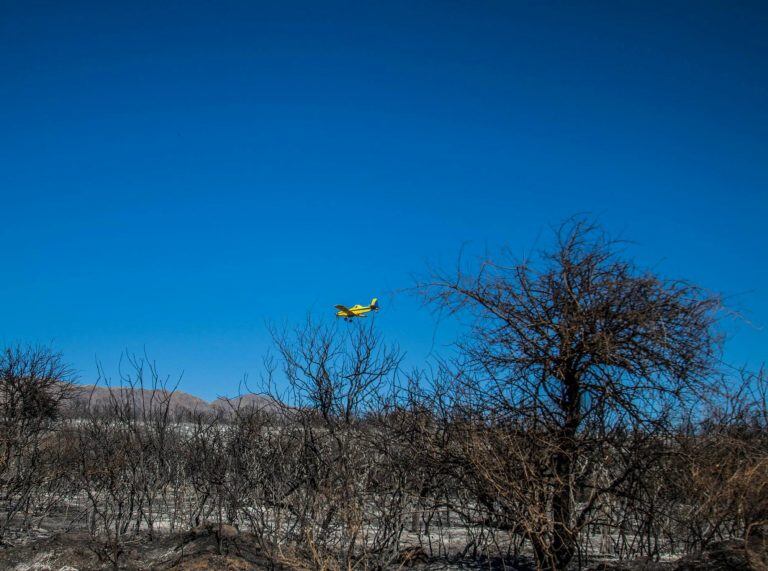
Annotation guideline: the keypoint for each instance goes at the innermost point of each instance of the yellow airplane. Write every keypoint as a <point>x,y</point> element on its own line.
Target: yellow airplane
<point>356,310</point>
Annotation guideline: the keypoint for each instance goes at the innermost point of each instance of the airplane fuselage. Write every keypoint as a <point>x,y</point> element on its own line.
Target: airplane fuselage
<point>357,310</point>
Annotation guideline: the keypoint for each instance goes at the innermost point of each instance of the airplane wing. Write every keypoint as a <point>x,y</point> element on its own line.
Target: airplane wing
<point>344,310</point>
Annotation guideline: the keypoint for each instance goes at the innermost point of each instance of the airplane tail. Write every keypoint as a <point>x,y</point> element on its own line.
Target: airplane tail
<point>375,303</point>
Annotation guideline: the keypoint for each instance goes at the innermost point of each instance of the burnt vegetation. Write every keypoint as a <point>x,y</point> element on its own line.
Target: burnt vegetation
<point>585,415</point>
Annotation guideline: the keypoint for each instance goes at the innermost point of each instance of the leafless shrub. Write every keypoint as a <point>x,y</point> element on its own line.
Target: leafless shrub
<point>725,467</point>
<point>336,378</point>
<point>34,382</point>
<point>126,459</point>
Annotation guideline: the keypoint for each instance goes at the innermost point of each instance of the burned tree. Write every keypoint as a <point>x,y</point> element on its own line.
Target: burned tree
<point>569,361</point>
<point>335,380</point>
<point>34,382</point>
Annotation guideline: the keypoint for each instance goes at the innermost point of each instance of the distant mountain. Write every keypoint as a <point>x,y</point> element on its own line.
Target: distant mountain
<point>101,397</point>
<point>254,400</point>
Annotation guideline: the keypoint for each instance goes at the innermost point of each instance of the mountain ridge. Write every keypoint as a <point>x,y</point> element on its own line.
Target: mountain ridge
<point>100,396</point>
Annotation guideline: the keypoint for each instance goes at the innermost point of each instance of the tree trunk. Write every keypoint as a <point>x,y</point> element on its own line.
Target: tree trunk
<point>563,545</point>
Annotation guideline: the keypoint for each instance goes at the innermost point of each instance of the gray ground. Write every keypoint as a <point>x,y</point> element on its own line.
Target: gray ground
<point>208,547</point>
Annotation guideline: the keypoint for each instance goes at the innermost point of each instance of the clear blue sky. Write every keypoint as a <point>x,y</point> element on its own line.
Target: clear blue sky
<point>173,175</point>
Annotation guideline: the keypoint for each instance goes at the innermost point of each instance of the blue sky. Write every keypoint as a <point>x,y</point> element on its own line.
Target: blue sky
<point>174,175</point>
